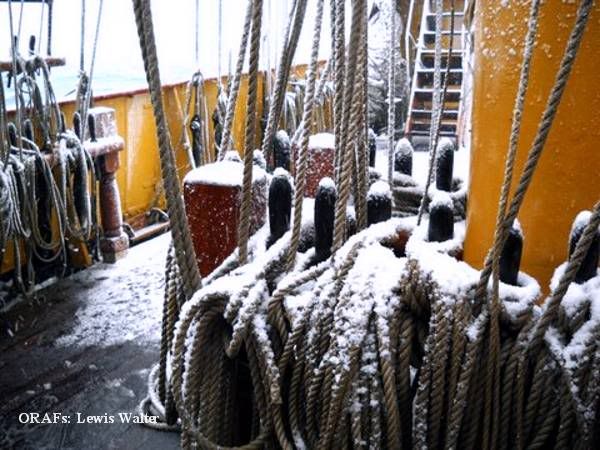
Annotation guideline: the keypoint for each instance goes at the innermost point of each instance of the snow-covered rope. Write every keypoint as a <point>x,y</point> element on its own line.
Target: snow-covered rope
<point>307,119</point>
<point>392,87</point>
<point>251,107</point>
<point>436,99</point>
<point>350,123</point>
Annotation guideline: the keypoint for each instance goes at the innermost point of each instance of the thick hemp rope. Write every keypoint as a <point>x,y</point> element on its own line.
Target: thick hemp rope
<point>437,101</point>
<point>290,43</point>
<point>184,250</point>
<point>392,88</point>
<point>246,207</point>
<point>338,42</point>
<point>226,138</point>
<point>307,120</point>
<point>350,125</point>
<point>359,154</point>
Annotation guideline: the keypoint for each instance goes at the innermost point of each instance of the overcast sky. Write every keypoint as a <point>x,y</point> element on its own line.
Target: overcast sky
<point>118,53</point>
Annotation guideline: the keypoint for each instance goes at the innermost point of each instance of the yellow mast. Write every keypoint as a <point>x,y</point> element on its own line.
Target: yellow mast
<point>567,179</point>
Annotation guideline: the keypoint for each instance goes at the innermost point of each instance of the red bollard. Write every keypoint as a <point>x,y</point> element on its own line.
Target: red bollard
<point>213,196</point>
<point>321,152</point>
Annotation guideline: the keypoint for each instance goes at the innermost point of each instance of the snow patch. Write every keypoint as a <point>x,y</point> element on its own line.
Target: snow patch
<point>440,199</point>
<point>404,147</point>
<point>321,141</point>
<point>121,308</point>
<point>222,173</point>
<point>380,189</point>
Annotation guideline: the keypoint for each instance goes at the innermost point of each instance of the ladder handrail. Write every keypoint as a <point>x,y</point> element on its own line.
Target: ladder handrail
<point>408,36</point>
<point>411,78</point>
<point>420,47</point>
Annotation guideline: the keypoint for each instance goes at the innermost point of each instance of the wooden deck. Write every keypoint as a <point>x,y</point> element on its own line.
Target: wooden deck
<point>39,373</point>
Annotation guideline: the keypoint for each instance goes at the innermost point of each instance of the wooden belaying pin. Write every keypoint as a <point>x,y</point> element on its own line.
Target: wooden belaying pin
<point>196,129</point>
<point>32,44</point>
<point>372,147</point>
<point>324,217</point>
<point>258,159</point>
<point>12,134</point>
<point>91,128</point>
<point>441,218</point>
<point>280,205</point>
<point>403,157</point>
<point>281,150</point>
<point>63,122</point>
<point>444,165</point>
<point>589,265</point>
<point>28,130</point>
<point>510,257</point>
<point>77,124</point>
<point>379,202</point>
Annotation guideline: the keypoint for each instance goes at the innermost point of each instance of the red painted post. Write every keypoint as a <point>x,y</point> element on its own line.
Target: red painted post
<point>321,152</point>
<point>212,195</point>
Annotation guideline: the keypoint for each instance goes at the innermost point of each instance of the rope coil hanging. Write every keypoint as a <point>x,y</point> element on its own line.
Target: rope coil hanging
<point>37,193</point>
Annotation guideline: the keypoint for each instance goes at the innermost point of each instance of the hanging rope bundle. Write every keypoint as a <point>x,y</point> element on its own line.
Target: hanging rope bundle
<point>47,175</point>
<point>195,120</point>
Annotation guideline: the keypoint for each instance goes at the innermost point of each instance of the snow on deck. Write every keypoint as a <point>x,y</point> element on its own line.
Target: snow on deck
<point>421,163</point>
<point>117,302</point>
<point>85,345</point>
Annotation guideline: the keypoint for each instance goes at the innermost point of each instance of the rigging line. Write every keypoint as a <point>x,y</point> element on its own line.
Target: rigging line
<point>88,94</point>
<point>437,103</point>
<point>39,39</point>
<point>20,21</point>
<point>16,85</point>
<point>392,92</point>
<point>220,41</point>
<point>196,34</point>
<point>82,42</point>
<point>49,41</point>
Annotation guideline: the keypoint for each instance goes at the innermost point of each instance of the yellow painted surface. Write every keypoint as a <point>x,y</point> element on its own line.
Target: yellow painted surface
<point>139,176</point>
<point>567,179</point>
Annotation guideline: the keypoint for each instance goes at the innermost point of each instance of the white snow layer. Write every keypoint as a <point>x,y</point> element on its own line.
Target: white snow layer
<point>119,302</point>
<point>222,173</point>
<point>440,198</point>
<point>327,183</point>
<point>404,147</point>
<point>421,164</point>
<point>321,141</point>
<point>380,189</point>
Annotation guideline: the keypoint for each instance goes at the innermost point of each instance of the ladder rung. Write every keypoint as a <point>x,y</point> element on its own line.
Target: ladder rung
<point>427,112</point>
<point>444,32</point>
<point>445,51</point>
<point>447,14</point>
<point>426,133</point>
<point>431,70</point>
<point>430,91</point>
